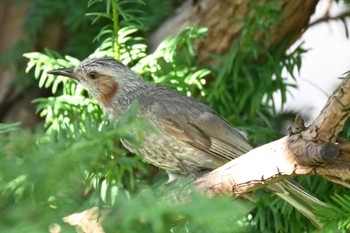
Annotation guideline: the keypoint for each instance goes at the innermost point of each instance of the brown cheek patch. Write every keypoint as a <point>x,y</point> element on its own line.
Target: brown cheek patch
<point>107,89</point>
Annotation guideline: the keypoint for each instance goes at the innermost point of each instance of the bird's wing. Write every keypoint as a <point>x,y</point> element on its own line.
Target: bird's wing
<point>197,125</point>
<point>209,135</point>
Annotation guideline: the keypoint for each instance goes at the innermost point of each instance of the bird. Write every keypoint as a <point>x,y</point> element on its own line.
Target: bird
<point>190,137</point>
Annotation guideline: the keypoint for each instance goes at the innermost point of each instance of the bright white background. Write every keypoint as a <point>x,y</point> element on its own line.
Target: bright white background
<point>327,59</point>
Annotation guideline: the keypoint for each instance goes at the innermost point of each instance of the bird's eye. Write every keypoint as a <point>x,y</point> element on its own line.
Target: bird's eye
<point>93,75</point>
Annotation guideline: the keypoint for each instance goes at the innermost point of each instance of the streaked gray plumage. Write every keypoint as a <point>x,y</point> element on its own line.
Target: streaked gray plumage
<point>191,137</point>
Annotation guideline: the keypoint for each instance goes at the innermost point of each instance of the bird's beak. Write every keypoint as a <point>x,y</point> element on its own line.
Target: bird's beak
<point>67,72</point>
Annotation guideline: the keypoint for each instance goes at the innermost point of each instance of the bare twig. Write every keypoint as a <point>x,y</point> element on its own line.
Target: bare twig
<point>328,18</point>
<point>337,181</point>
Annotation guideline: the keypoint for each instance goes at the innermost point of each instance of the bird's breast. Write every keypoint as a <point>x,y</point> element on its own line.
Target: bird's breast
<point>167,152</point>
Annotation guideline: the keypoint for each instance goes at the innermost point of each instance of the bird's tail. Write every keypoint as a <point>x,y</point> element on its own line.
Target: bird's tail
<point>298,197</point>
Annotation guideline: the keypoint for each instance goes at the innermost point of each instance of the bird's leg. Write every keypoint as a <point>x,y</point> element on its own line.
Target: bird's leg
<point>172,176</point>
<point>201,172</point>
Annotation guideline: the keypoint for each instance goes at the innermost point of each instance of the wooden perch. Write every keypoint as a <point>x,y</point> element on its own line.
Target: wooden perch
<point>312,150</point>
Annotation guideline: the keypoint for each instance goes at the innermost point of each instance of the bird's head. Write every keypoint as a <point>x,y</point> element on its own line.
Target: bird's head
<point>104,78</point>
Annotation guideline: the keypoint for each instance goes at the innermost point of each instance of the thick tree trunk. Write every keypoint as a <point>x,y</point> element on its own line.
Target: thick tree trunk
<point>15,103</point>
<point>15,95</point>
<point>223,18</point>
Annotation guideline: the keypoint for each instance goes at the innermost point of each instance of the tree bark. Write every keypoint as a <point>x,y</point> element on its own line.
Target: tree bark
<point>223,18</point>
<point>312,150</point>
<point>16,97</point>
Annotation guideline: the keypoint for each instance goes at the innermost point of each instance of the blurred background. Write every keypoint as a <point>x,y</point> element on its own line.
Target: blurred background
<point>33,25</point>
<point>257,63</point>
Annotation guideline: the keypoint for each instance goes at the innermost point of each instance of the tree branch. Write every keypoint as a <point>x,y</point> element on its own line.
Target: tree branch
<point>224,20</point>
<point>326,18</point>
<point>312,150</point>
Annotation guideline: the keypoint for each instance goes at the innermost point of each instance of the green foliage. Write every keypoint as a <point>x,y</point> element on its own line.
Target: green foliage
<point>173,63</point>
<point>254,74</point>
<point>69,17</point>
<point>78,162</point>
<point>166,216</point>
<point>47,177</point>
<point>75,127</point>
<point>70,106</point>
<point>5,128</point>
<point>118,33</point>
<point>339,213</point>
